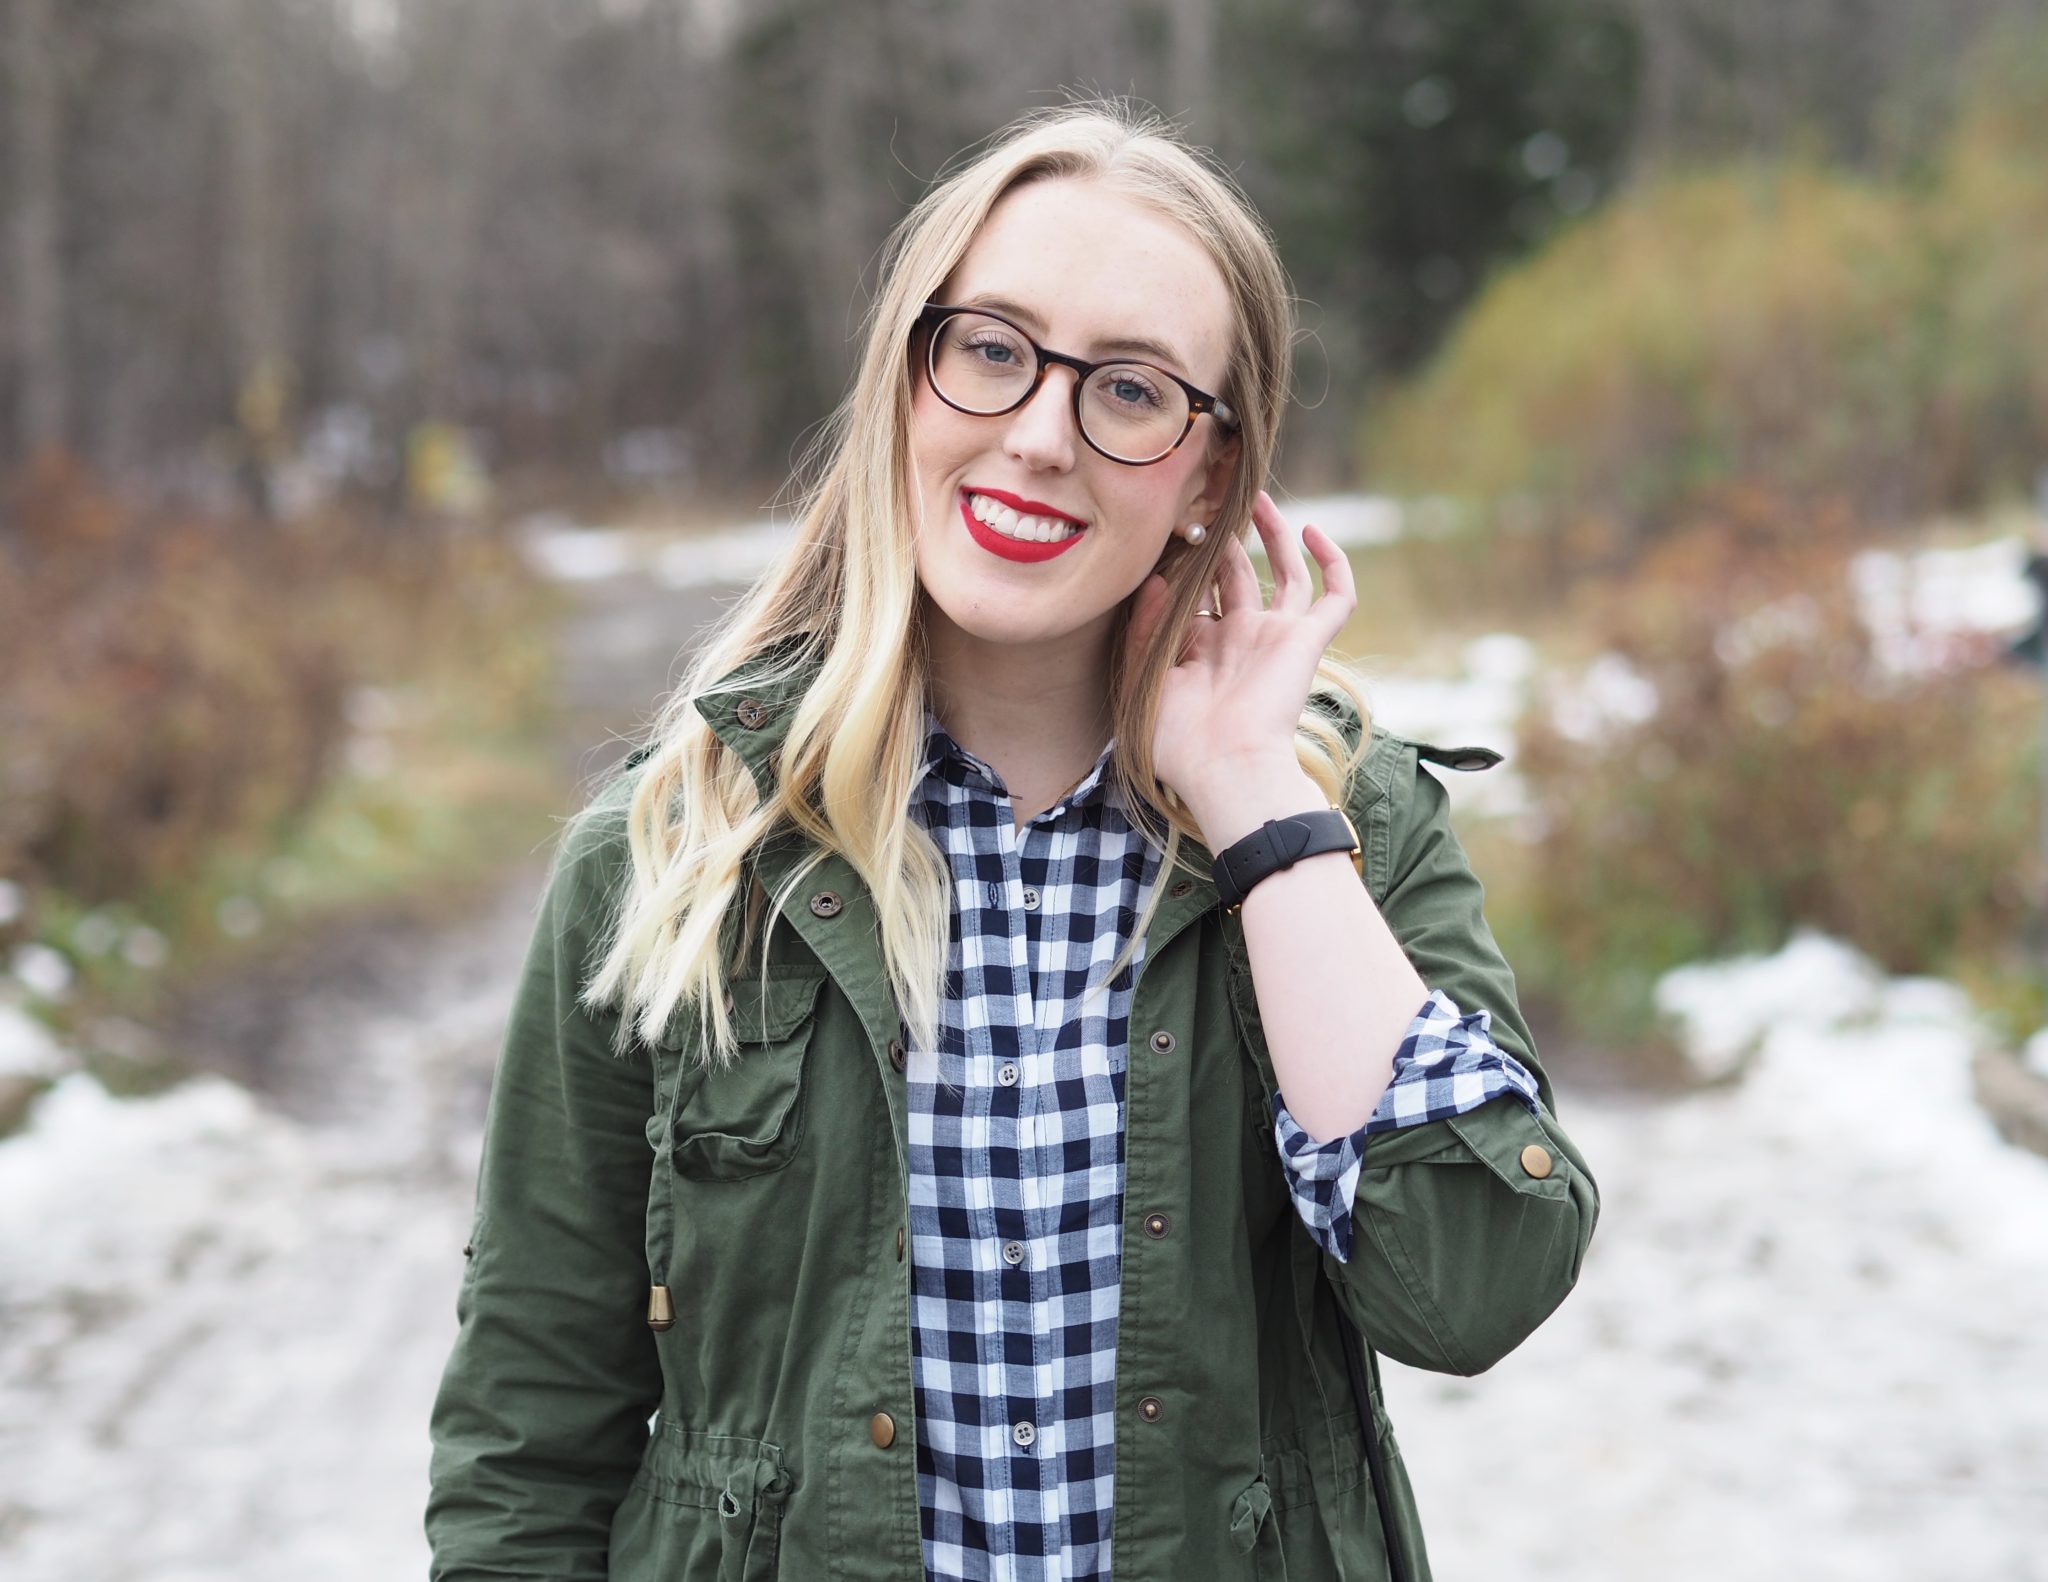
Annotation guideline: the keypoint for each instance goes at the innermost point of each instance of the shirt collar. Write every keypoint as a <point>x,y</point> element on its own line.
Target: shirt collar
<point>947,760</point>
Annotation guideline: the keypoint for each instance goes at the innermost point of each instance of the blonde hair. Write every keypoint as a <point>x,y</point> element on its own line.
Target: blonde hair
<point>844,597</point>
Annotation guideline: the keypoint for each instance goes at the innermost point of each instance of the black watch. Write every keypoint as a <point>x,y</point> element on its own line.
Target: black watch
<point>1281,843</point>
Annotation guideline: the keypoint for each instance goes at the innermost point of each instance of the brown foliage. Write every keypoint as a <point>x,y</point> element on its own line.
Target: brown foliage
<point>1789,776</point>
<point>172,679</point>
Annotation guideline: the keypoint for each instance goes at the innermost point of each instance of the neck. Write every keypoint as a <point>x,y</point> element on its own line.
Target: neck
<point>1038,713</point>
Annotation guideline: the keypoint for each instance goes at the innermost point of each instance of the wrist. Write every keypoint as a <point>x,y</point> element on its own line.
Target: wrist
<point>1234,800</point>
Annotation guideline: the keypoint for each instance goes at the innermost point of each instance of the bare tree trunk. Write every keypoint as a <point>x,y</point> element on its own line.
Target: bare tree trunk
<point>1191,65</point>
<point>38,309</point>
<point>257,274</point>
<point>462,183</point>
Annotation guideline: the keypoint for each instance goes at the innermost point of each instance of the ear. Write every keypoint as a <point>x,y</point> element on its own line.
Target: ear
<point>1217,473</point>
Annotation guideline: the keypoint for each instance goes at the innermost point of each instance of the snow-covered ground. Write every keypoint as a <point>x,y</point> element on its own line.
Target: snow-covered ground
<point>1807,1341</point>
<point>1810,1340</point>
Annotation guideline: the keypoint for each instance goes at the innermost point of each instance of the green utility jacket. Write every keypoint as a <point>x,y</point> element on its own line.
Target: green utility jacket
<point>770,1200</point>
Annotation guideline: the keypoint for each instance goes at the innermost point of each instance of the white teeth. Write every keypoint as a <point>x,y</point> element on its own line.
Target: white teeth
<point>1032,529</point>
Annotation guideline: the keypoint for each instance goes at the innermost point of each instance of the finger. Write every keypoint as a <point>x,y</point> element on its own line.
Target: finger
<point>1238,581</point>
<point>1146,605</point>
<point>1340,591</point>
<point>1292,587</point>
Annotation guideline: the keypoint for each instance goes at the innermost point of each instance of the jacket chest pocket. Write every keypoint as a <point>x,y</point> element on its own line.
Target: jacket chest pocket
<point>748,1118</point>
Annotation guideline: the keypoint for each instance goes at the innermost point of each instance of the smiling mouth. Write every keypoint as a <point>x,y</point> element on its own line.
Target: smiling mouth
<point>1021,526</point>
<point>1000,529</point>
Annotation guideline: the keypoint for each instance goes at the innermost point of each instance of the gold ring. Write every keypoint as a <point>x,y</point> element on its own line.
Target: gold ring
<point>1212,614</point>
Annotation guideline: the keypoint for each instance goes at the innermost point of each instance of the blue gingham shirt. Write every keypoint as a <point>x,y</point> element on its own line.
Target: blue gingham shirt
<point>1016,1132</point>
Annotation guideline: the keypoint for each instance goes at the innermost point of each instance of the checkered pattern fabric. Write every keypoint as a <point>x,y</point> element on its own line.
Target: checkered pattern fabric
<point>1447,1064</point>
<point>1017,1169</point>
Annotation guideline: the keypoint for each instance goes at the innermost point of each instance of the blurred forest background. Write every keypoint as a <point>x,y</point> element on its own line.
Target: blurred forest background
<point>1652,314</point>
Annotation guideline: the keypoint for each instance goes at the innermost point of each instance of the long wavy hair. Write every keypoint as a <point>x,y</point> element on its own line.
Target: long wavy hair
<point>843,597</point>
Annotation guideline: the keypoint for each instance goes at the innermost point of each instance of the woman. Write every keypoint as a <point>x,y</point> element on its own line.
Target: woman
<point>893,1102</point>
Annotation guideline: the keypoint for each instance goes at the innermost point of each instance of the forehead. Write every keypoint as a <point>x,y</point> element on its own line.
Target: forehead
<point>1089,270</point>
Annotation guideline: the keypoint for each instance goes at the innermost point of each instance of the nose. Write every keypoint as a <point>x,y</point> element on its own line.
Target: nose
<point>1041,432</point>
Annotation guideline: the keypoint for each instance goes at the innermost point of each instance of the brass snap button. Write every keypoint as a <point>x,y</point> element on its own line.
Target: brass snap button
<point>826,903</point>
<point>1536,1160</point>
<point>752,713</point>
<point>1156,1225</point>
<point>896,1056</point>
<point>1181,888</point>
<point>1164,1042</point>
<point>1151,1408</point>
<point>882,1430</point>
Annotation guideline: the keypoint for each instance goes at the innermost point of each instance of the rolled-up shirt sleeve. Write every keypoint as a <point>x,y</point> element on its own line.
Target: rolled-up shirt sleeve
<point>1447,1064</point>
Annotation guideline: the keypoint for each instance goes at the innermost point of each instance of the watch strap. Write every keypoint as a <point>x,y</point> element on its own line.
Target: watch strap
<point>1281,843</point>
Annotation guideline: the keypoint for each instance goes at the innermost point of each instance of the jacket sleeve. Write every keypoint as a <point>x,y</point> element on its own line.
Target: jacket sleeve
<point>541,1416</point>
<point>1468,1230</point>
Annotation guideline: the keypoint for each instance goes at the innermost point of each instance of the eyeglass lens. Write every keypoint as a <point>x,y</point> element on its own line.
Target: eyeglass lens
<point>1129,410</point>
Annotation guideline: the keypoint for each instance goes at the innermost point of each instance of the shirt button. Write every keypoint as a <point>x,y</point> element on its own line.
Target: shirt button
<point>1006,1073</point>
<point>1023,1433</point>
<point>882,1430</point>
<point>1151,1408</point>
<point>1030,899</point>
<point>1156,1225</point>
<point>1164,1042</point>
<point>1013,1252</point>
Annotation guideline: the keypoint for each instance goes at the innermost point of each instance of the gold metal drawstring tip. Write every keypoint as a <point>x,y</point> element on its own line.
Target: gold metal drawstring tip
<point>661,1312</point>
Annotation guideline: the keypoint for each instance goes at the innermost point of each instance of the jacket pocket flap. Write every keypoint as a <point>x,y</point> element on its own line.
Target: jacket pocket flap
<point>762,1010</point>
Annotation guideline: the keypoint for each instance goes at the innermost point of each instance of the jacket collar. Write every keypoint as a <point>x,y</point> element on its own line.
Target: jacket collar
<point>749,708</point>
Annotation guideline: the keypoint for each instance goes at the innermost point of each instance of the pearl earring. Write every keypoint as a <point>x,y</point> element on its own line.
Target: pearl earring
<point>1196,532</point>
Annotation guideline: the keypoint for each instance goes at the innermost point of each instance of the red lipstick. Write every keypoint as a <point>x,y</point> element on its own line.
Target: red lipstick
<point>1013,548</point>
<point>1018,503</point>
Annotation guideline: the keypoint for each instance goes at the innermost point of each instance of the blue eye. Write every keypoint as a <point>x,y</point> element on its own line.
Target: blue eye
<point>1004,355</point>
<point>1129,390</point>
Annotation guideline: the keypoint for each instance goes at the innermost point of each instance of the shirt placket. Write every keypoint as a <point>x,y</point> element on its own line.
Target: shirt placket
<point>1017,1123</point>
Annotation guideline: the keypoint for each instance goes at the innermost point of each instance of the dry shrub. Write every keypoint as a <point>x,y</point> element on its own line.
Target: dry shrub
<point>1750,322</point>
<point>1880,343</point>
<point>171,680</point>
<point>1787,777</point>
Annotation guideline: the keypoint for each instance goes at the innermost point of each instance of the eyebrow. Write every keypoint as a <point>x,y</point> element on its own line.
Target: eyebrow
<point>1137,345</point>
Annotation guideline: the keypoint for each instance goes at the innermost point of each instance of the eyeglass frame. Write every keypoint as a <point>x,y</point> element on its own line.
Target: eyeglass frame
<point>934,314</point>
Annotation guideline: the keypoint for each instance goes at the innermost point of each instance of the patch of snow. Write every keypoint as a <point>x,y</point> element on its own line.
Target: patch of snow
<point>563,552</point>
<point>737,555</point>
<point>1726,1010</point>
<point>1609,694</point>
<point>1477,707</point>
<point>27,1048</point>
<point>1918,605</point>
<point>1807,1332</point>
<point>2034,1054</point>
<point>1353,520</point>
<point>44,972</point>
